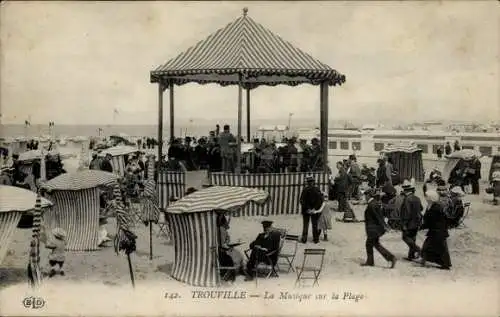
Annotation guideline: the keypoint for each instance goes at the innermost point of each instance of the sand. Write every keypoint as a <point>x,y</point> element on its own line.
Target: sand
<point>470,288</point>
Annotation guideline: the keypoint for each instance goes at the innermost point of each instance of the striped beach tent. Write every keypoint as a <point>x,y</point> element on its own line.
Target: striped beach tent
<point>76,199</point>
<point>15,201</point>
<point>407,160</point>
<point>193,223</point>
<point>284,189</point>
<point>118,154</point>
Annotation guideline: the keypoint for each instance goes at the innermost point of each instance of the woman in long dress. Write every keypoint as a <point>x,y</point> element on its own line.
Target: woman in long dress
<point>227,252</point>
<point>435,247</point>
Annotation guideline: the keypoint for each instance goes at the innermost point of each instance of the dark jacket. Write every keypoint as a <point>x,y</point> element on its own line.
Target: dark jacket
<point>382,176</point>
<point>271,243</point>
<point>311,198</point>
<point>436,222</point>
<point>374,219</point>
<point>342,182</point>
<point>106,166</point>
<point>36,169</point>
<point>411,212</point>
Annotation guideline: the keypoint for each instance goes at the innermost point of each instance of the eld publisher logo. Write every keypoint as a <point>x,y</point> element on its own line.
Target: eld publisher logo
<point>33,302</point>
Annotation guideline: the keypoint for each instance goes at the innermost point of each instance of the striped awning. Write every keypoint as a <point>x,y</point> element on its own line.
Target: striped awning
<point>18,199</point>
<point>80,180</point>
<point>218,198</point>
<point>245,47</point>
<point>119,150</point>
<point>466,154</point>
<point>407,148</point>
<point>35,154</point>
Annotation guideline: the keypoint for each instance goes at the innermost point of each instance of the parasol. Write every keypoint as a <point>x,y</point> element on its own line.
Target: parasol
<point>150,203</point>
<point>125,237</point>
<point>218,198</point>
<point>118,150</point>
<point>34,273</point>
<point>466,155</point>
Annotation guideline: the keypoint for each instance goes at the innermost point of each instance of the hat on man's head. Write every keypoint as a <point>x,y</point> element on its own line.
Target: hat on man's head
<point>266,222</point>
<point>15,156</point>
<point>309,178</point>
<point>407,185</point>
<point>59,233</point>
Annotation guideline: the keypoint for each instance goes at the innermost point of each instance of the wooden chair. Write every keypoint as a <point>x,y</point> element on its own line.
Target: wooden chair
<point>312,263</point>
<point>289,250</point>
<point>466,213</point>
<point>227,273</point>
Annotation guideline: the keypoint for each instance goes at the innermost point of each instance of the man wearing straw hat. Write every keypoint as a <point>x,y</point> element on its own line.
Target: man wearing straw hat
<point>411,219</point>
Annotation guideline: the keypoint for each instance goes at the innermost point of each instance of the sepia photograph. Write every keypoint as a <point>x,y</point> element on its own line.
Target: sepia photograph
<point>249,158</point>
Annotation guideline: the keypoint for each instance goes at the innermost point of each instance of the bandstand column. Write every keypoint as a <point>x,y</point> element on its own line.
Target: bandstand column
<point>172,120</point>
<point>324,123</point>
<point>248,116</point>
<point>240,113</point>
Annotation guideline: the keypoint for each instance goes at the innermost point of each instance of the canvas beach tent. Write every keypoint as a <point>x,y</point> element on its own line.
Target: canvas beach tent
<point>193,223</point>
<point>76,210</point>
<point>14,202</point>
<point>455,158</point>
<point>494,160</point>
<point>407,160</point>
<point>118,154</point>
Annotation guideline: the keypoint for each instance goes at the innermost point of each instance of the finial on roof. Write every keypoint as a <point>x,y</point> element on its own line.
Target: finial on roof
<point>245,11</point>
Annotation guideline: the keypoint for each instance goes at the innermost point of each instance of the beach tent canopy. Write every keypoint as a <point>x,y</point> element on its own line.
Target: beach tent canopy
<point>119,150</point>
<point>245,47</point>
<point>193,223</point>
<point>14,202</point>
<point>80,180</point>
<point>407,160</point>
<point>35,154</point>
<point>466,155</point>
<point>218,198</point>
<point>18,199</point>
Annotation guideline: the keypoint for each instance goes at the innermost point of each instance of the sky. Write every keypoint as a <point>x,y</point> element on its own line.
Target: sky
<point>75,62</point>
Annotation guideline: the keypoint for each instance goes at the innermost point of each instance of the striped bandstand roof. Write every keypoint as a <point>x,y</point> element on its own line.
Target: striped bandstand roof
<point>407,148</point>
<point>218,198</point>
<point>245,47</point>
<point>80,180</point>
<point>19,199</point>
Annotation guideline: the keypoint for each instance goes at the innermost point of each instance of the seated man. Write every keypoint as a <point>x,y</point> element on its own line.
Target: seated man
<point>265,243</point>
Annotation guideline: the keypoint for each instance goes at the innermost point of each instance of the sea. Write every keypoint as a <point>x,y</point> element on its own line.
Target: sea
<point>34,130</point>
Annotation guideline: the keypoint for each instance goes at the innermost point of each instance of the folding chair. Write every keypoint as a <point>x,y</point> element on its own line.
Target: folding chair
<point>466,213</point>
<point>227,273</point>
<point>289,250</point>
<point>163,226</point>
<point>267,263</point>
<point>311,266</point>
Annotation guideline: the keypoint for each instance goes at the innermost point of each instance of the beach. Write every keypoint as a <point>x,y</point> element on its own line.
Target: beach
<point>469,289</point>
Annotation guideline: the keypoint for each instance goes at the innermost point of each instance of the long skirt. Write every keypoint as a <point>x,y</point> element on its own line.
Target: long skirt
<point>325,220</point>
<point>435,250</point>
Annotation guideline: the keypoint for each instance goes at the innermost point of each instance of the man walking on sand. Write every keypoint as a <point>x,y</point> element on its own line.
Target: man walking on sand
<point>411,218</point>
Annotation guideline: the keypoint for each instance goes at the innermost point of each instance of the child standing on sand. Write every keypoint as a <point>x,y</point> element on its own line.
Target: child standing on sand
<point>58,254</point>
<point>325,219</point>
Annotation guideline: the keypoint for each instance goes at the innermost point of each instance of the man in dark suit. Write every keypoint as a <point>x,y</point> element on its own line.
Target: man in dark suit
<point>266,242</point>
<point>375,227</point>
<point>411,218</point>
<point>311,198</point>
<point>474,174</point>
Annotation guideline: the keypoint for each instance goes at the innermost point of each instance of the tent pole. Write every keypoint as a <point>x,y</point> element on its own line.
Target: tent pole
<point>324,123</point>
<point>248,115</point>
<point>240,110</point>
<point>172,122</point>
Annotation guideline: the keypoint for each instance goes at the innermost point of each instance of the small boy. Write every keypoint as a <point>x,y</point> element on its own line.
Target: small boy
<point>58,254</point>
